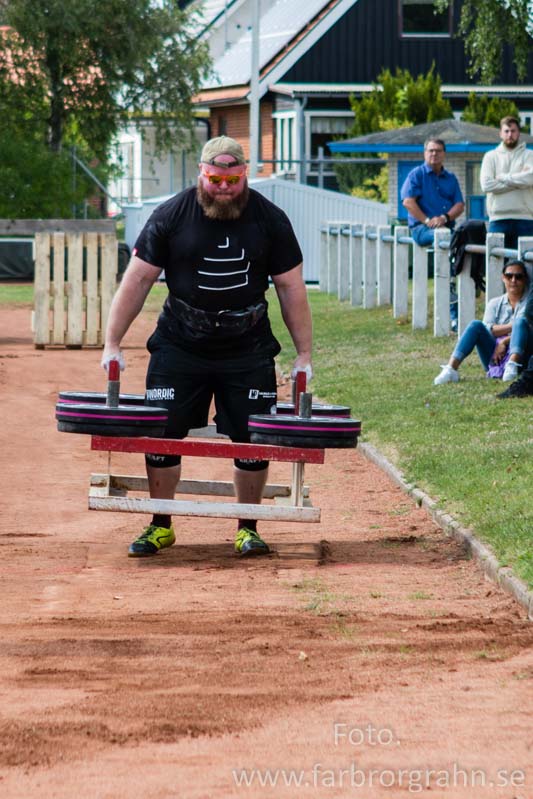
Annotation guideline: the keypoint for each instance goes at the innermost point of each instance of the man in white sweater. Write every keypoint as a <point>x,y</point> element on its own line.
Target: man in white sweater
<point>507,179</point>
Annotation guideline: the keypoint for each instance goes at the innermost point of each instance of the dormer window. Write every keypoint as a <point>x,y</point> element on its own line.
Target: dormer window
<point>421,18</point>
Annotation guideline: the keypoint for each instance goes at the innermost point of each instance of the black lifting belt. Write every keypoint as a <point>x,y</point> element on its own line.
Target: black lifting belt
<point>234,322</point>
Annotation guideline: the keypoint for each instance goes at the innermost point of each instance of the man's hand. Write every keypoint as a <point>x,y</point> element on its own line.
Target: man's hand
<point>302,365</point>
<point>112,354</point>
<point>437,221</point>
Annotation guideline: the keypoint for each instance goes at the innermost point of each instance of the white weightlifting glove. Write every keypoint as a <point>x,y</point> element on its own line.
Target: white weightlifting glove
<point>113,356</point>
<point>308,369</point>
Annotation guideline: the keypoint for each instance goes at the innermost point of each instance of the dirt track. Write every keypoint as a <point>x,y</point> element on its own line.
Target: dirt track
<point>364,649</point>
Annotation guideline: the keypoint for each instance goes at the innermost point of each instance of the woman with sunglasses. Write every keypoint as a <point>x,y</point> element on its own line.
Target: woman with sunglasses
<point>503,330</point>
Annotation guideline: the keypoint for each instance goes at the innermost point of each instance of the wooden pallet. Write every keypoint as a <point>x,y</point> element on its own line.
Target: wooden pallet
<point>110,492</point>
<point>75,280</point>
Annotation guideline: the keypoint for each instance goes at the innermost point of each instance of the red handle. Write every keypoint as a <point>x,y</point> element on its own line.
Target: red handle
<point>113,384</point>
<point>300,384</point>
<point>114,370</point>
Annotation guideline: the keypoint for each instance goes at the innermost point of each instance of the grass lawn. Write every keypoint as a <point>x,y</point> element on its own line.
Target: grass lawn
<point>468,450</point>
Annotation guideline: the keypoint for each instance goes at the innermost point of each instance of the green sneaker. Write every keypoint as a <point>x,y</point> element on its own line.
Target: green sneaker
<point>248,542</point>
<point>151,540</point>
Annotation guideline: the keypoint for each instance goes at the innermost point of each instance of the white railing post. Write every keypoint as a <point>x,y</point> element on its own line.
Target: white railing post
<point>525,246</point>
<point>369,266</point>
<point>420,287</point>
<point>466,290</point>
<point>344,250</point>
<point>323,274</point>
<point>333,258</point>
<point>441,322</point>
<point>400,276</point>
<point>383,258</point>
<point>356,283</point>
<point>493,266</point>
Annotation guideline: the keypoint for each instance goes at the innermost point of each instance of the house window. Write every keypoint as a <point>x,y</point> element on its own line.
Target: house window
<point>475,198</point>
<point>222,126</point>
<point>526,120</point>
<point>286,145</point>
<point>421,18</point>
<point>322,127</point>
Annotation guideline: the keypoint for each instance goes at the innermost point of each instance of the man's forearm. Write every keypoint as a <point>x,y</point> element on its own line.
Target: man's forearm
<point>455,211</point>
<point>414,209</point>
<point>518,180</point>
<point>297,317</point>
<point>127,304</point>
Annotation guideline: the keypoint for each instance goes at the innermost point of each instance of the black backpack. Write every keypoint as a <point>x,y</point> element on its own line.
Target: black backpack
<point>472,231</point>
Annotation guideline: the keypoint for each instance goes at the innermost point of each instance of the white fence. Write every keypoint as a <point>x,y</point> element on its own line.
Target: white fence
<point>306,207</point>
<point>369,266</point>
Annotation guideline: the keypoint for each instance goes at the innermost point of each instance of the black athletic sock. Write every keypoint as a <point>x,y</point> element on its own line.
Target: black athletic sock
<point>161,520</point>
<point>251,524</point>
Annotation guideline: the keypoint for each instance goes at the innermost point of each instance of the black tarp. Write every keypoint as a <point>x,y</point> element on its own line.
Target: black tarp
<point>16,259</point>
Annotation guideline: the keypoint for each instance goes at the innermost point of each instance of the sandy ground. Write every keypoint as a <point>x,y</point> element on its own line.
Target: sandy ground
<point>366,657</point>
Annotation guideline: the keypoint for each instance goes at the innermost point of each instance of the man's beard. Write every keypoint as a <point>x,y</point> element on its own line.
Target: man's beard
<point>512,144</point>
<point>225,210</point>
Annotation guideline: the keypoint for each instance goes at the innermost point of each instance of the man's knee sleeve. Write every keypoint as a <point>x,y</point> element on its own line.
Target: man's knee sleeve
<point>250,465</point>
<point>162,461</point>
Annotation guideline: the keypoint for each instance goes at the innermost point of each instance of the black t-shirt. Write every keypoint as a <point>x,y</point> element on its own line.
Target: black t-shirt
<point>219,265</point>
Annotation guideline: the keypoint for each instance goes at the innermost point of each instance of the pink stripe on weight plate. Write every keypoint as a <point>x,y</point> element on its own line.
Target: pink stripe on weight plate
<point>295,430</point>
<point>96,416</point>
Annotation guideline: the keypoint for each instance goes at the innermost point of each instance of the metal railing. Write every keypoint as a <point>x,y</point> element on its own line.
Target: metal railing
<point>368,266</point>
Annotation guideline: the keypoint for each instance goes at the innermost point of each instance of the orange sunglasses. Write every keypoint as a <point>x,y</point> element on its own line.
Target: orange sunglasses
<point>216,180</point>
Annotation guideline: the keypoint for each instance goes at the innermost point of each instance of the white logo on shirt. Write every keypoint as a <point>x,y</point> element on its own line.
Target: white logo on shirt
<point>215,281</point>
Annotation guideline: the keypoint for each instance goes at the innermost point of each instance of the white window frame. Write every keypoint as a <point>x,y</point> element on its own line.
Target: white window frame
<point>308,116</point>
<point>120,185</point>
<point>286,142</point>
<point>526,118</point>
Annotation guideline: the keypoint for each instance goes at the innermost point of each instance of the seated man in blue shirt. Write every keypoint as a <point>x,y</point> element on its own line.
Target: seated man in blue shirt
<point>431,195</point>
<point>433,199</point>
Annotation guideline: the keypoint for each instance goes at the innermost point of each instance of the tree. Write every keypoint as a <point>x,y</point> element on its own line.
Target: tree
<point>483,110</point>
<point>396,101</point>
<point>486,27</point>
<point>400,100</point>
<point>83,68</point>
<point>36,182</point>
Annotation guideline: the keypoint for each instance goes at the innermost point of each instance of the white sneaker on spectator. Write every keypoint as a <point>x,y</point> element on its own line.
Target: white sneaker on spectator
<point>448,375</point>
<point>510,372</point>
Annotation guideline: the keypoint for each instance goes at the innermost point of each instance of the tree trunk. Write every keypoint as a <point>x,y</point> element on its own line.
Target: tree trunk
<point>57,110</point>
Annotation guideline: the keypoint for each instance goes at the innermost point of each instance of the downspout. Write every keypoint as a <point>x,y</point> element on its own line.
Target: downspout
<point>300,117</point>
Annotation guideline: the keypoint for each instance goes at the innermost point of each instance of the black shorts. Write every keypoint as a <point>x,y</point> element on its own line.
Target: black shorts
<point>185,384</point>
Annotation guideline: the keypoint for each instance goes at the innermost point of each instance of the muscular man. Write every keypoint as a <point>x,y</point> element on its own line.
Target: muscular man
<point>507,178</point>
<point>218,244</point>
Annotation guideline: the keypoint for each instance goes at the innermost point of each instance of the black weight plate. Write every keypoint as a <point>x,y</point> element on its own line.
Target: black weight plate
<point>103,414</point>
<point>316,410</point>
<point>306,442</point>
<point>86,397</point>
<point>323,426</point>
<point>109,430</point>
<point>124,420</point>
